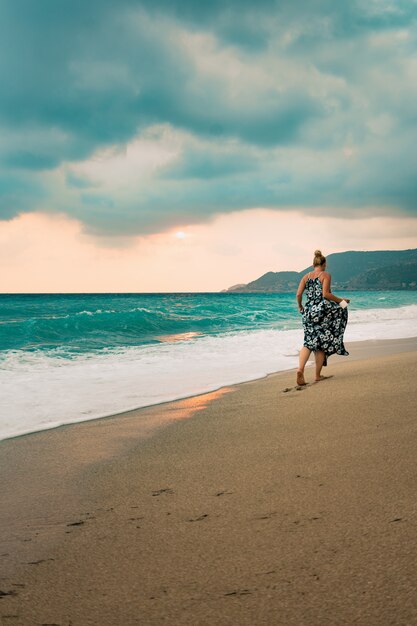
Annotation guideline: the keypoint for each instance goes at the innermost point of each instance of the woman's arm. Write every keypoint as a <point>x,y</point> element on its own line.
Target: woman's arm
<point>300,292</point>
<point>327,291</point>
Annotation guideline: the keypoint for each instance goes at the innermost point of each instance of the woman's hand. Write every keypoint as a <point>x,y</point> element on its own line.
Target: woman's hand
<point>301,309</point>
<point>346,300</point>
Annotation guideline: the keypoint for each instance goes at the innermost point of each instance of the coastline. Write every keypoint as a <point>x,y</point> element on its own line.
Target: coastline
<point>261,505</point>
<point>78,366</point>
<point>358,350</point>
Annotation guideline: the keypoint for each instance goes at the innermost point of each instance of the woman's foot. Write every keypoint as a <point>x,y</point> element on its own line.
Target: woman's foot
<point>318,379</point>
<point>300,378</point>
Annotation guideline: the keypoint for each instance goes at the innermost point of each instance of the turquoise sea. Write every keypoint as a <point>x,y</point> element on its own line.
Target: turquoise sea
<point>66,358</point>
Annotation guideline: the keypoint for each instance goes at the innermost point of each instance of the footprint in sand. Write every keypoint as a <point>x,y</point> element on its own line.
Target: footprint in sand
<point>12,592</point>
<point>296,388</point>
<point>198,519</point>
<point>301,387</point>
<point>158,492</point>
<point>240,592</point>
<point>271,571</point>
<point>266,515</point>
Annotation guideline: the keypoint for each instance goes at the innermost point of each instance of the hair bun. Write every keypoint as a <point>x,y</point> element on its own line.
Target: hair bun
<point>319,259</point>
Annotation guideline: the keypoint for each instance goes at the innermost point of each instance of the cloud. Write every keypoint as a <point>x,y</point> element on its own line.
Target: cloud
<point>19,194</point>
<point>140,115</point>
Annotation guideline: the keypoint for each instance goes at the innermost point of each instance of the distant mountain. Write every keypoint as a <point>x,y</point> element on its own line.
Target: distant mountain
<point>273,281</point>
<point>400,276</point>
<point>379,270</point>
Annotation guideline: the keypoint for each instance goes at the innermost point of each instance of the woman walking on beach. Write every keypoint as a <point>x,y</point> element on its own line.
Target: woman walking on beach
<point>324,320</point>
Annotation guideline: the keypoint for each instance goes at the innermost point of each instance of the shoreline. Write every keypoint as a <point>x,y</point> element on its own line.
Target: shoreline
<point>361,350</point>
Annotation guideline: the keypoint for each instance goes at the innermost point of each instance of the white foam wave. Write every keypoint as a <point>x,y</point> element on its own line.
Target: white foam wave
<point>40,391</point>
<point>389,323</point>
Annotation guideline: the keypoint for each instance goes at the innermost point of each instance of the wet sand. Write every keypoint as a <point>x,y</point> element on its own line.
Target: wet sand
<point>260,503</point>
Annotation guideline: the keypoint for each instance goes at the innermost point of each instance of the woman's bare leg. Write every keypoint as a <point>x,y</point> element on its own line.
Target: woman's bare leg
<point>303,358</point>
<point>319,357</point>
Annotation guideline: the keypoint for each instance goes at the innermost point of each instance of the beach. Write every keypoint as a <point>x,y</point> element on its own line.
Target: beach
<point>258,503</point>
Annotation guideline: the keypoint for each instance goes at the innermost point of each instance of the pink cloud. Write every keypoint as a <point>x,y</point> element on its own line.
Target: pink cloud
<point>45,253</point>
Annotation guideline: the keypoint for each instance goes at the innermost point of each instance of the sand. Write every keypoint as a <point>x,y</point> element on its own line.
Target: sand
<point>257,504</point>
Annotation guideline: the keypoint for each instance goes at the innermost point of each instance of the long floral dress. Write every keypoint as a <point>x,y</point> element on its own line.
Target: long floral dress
<point>324,321</point>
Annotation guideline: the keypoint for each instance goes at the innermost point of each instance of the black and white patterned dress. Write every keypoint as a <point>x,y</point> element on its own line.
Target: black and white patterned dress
<point>324,321</point>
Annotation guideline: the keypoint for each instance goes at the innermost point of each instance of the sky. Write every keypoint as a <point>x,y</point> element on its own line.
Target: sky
<point>175,145</point>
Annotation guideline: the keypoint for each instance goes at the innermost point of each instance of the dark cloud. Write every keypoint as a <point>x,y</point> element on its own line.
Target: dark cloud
<point>30,160</point>
<point>19,194</point>
<point>209,163</point>
<point>271,93</point>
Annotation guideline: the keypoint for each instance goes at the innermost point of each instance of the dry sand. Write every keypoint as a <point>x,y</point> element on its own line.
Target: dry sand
<point>258,504</point>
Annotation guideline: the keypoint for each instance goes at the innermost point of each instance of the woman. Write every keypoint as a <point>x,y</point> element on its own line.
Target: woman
<point>324,321</point>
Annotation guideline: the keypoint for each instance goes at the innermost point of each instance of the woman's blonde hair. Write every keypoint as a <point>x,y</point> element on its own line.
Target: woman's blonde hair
<point>319,259</point>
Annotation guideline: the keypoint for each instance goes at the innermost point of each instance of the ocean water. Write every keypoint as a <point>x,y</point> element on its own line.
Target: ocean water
<point>70,358</point>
